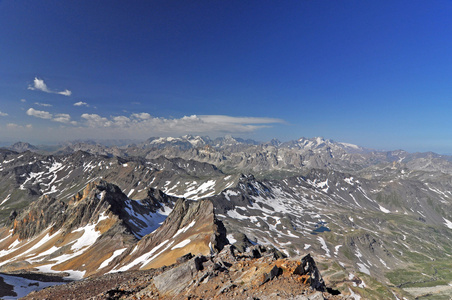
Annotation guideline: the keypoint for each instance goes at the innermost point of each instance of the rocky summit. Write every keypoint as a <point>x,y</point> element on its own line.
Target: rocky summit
<point>200,218</point>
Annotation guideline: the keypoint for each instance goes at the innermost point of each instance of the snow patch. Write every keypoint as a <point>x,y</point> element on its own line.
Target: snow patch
<point>110,259</point>
<point>184,229</point>
<point>6,199</point>
<point>363,268</point>
<point>384,210</point>
<point>448,223</point>
<point>353,295</point>
<point>324,246</point>
<point>88,238</point>
<point>181,244</point>
<point>231,239</point>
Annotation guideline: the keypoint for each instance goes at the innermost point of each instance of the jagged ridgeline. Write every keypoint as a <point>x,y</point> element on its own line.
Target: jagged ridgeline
<point>100,230</point>
<point>379,224</point>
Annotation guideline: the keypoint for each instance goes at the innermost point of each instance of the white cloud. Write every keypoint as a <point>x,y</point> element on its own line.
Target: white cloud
<point>39,85</point>
<point>137,126</point>
<point>39,114</point>
<point>61,118</point>
<point>81,103</point>
<point>43,104</point>
<point>14,126</point>
<point>121,121</point>
<point>2,114</point>
<point>65,92</point>
<point>96,121</point>
<point>143,125</point>
<point>23,100</point>
<point>221,119</point>
<point>142,116</point>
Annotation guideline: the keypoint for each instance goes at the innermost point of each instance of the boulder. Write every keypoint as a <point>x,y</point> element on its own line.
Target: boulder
<point>174,281</point>
<point>309,268</point>
<point>274,272</point>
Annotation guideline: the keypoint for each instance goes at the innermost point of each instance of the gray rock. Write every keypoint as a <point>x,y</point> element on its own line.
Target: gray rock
<point>316,296</point>
<point>274,272</point>
<point>174,281</point>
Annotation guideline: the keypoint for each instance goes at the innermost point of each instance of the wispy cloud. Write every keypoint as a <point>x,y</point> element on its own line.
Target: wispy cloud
<point>23,100</point>
<point>17,126</point>
<point>61,118</point>
<point>43,104</point>
<point>221,119</point>
<point>81,103</point>
<point>143,125</point>
<point>39,85</point>
<point>2,114</point>
<point>12,126</point>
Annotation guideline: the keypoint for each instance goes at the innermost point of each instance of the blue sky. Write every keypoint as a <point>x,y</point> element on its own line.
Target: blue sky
<point>373,73</point>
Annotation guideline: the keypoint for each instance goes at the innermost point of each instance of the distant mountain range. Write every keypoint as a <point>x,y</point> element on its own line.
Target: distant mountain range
<point>380,222</point>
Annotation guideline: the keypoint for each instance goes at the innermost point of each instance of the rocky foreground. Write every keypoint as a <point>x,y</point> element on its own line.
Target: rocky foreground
<point>259,273</point>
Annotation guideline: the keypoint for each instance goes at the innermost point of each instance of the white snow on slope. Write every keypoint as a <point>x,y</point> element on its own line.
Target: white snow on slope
<point>200,191</point>
<point>355,296</point>
<point>73,274</point>
<point>184,229</point>
<point>231,239</point>
<point>448,223</point>
<point>146,223</point>
<point>363,268</point>
<point>349,180</point>
<point>44,240</point>
<point>110,259</point>
<point>384,210</point>
<point>181,244</point>
<point>141,259</point>
<point>6,199</point>
<point>324,246</point>
<point>88,238</point>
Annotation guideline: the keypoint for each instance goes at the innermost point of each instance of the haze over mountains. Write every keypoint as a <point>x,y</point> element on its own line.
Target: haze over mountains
<point>380,222</point>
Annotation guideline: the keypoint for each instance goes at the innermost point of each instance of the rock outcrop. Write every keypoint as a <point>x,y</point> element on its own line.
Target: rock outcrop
<point>190,228</point>
<point>226,275</point>
<point>309,270</point>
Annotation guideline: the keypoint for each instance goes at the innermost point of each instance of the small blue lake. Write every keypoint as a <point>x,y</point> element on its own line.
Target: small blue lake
<point>319,228</point>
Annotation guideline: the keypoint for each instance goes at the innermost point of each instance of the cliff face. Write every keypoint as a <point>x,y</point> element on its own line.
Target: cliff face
<point>190,228</point>
<point>44,213</point>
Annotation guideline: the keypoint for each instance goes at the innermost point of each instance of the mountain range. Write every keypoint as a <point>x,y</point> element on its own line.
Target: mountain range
<point>378,223</point>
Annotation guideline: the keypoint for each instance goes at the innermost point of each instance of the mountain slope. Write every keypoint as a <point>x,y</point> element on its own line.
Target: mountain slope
<point>381,217</point>
<point>54,236</point>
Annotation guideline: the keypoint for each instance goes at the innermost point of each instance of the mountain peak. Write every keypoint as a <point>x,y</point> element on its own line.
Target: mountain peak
<point>22,147</point>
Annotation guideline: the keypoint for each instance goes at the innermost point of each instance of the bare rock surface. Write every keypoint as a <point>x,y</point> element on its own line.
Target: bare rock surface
<point>220,276</point>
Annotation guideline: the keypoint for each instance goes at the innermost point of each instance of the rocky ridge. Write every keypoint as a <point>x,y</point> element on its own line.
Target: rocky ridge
<point>229,274</point>
<point>101,230</point>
